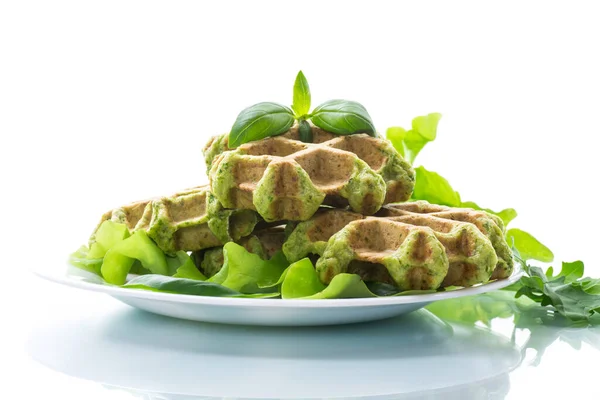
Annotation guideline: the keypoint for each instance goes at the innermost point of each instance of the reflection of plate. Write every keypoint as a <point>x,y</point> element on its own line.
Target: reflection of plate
<point>268,311</point>
<point>147,353</point>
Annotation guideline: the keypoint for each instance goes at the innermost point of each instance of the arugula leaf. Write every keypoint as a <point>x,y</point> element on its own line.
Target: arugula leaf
<point>572,271</point>
<point>167,284</point>
<point>301,104</point>
<point>343,117</point>
<point>260,121</point>
<point>565,292</point>
<point>528,246</point>
<point>589,285</point>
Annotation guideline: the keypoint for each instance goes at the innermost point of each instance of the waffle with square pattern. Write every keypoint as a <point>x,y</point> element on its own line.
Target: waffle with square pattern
<point>189,220</point>
<point>285,179</point>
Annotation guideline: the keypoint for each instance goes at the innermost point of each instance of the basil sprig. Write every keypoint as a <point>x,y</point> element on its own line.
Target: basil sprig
<point>341,117</point>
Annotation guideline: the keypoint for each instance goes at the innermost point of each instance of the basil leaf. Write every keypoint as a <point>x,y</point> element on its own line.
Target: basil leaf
<point>260,121</point>
<point>343,117</point>
<point>305,132</point>
<point>301,104</point>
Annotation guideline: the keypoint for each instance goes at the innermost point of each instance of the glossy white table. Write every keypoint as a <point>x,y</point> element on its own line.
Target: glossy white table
<point>81,344</point>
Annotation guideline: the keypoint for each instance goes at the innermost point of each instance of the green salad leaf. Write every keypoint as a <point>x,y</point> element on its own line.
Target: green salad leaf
<point>396,135</point>
<point>108,234</point>
<point>301,104</point>
<point>247,272</point>
<point>574,297</point>
<point>260,121</point>
<point>434,188</point>
<point>529,247</point>
<point>167,284</point>
<point>120,258</point>
<point>301,280</point>
<point>344,286</point>
<point>186,267</point>
<point>410,143</point>
<point>81,259</point>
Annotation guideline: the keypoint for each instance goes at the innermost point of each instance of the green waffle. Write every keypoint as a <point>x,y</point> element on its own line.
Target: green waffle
<point>285,179</point>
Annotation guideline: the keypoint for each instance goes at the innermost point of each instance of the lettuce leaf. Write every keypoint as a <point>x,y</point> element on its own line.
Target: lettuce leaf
<point>344,286</point>
<point>187,269</point>
<point>529,247</point>
<point>247,272</point>
<point>81,259</point>
<point>301,280</point>
<point>119,259</point>
<point>434,188</point>
<point>410,143</point>
<point>109,233</point>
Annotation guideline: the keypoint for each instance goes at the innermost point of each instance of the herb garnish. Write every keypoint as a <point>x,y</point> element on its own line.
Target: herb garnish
<point>341,117</point>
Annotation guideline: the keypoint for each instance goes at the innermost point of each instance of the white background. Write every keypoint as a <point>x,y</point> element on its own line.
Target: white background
<point>102,103</point>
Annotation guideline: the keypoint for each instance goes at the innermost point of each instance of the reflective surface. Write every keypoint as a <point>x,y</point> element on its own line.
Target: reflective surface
<point>445,351</point>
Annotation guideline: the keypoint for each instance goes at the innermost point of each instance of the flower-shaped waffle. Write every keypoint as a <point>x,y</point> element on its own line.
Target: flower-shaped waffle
<point>285,179</point>
<point>189,220</point>
<point>351,242</point>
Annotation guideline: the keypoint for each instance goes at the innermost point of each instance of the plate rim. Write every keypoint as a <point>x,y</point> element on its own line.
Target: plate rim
<point>117,291</point>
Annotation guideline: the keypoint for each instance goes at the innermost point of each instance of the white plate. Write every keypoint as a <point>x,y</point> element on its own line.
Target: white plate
<point>268,312</point>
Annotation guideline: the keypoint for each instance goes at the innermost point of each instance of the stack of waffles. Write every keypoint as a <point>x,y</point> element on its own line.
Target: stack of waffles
<point>342,201</point>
